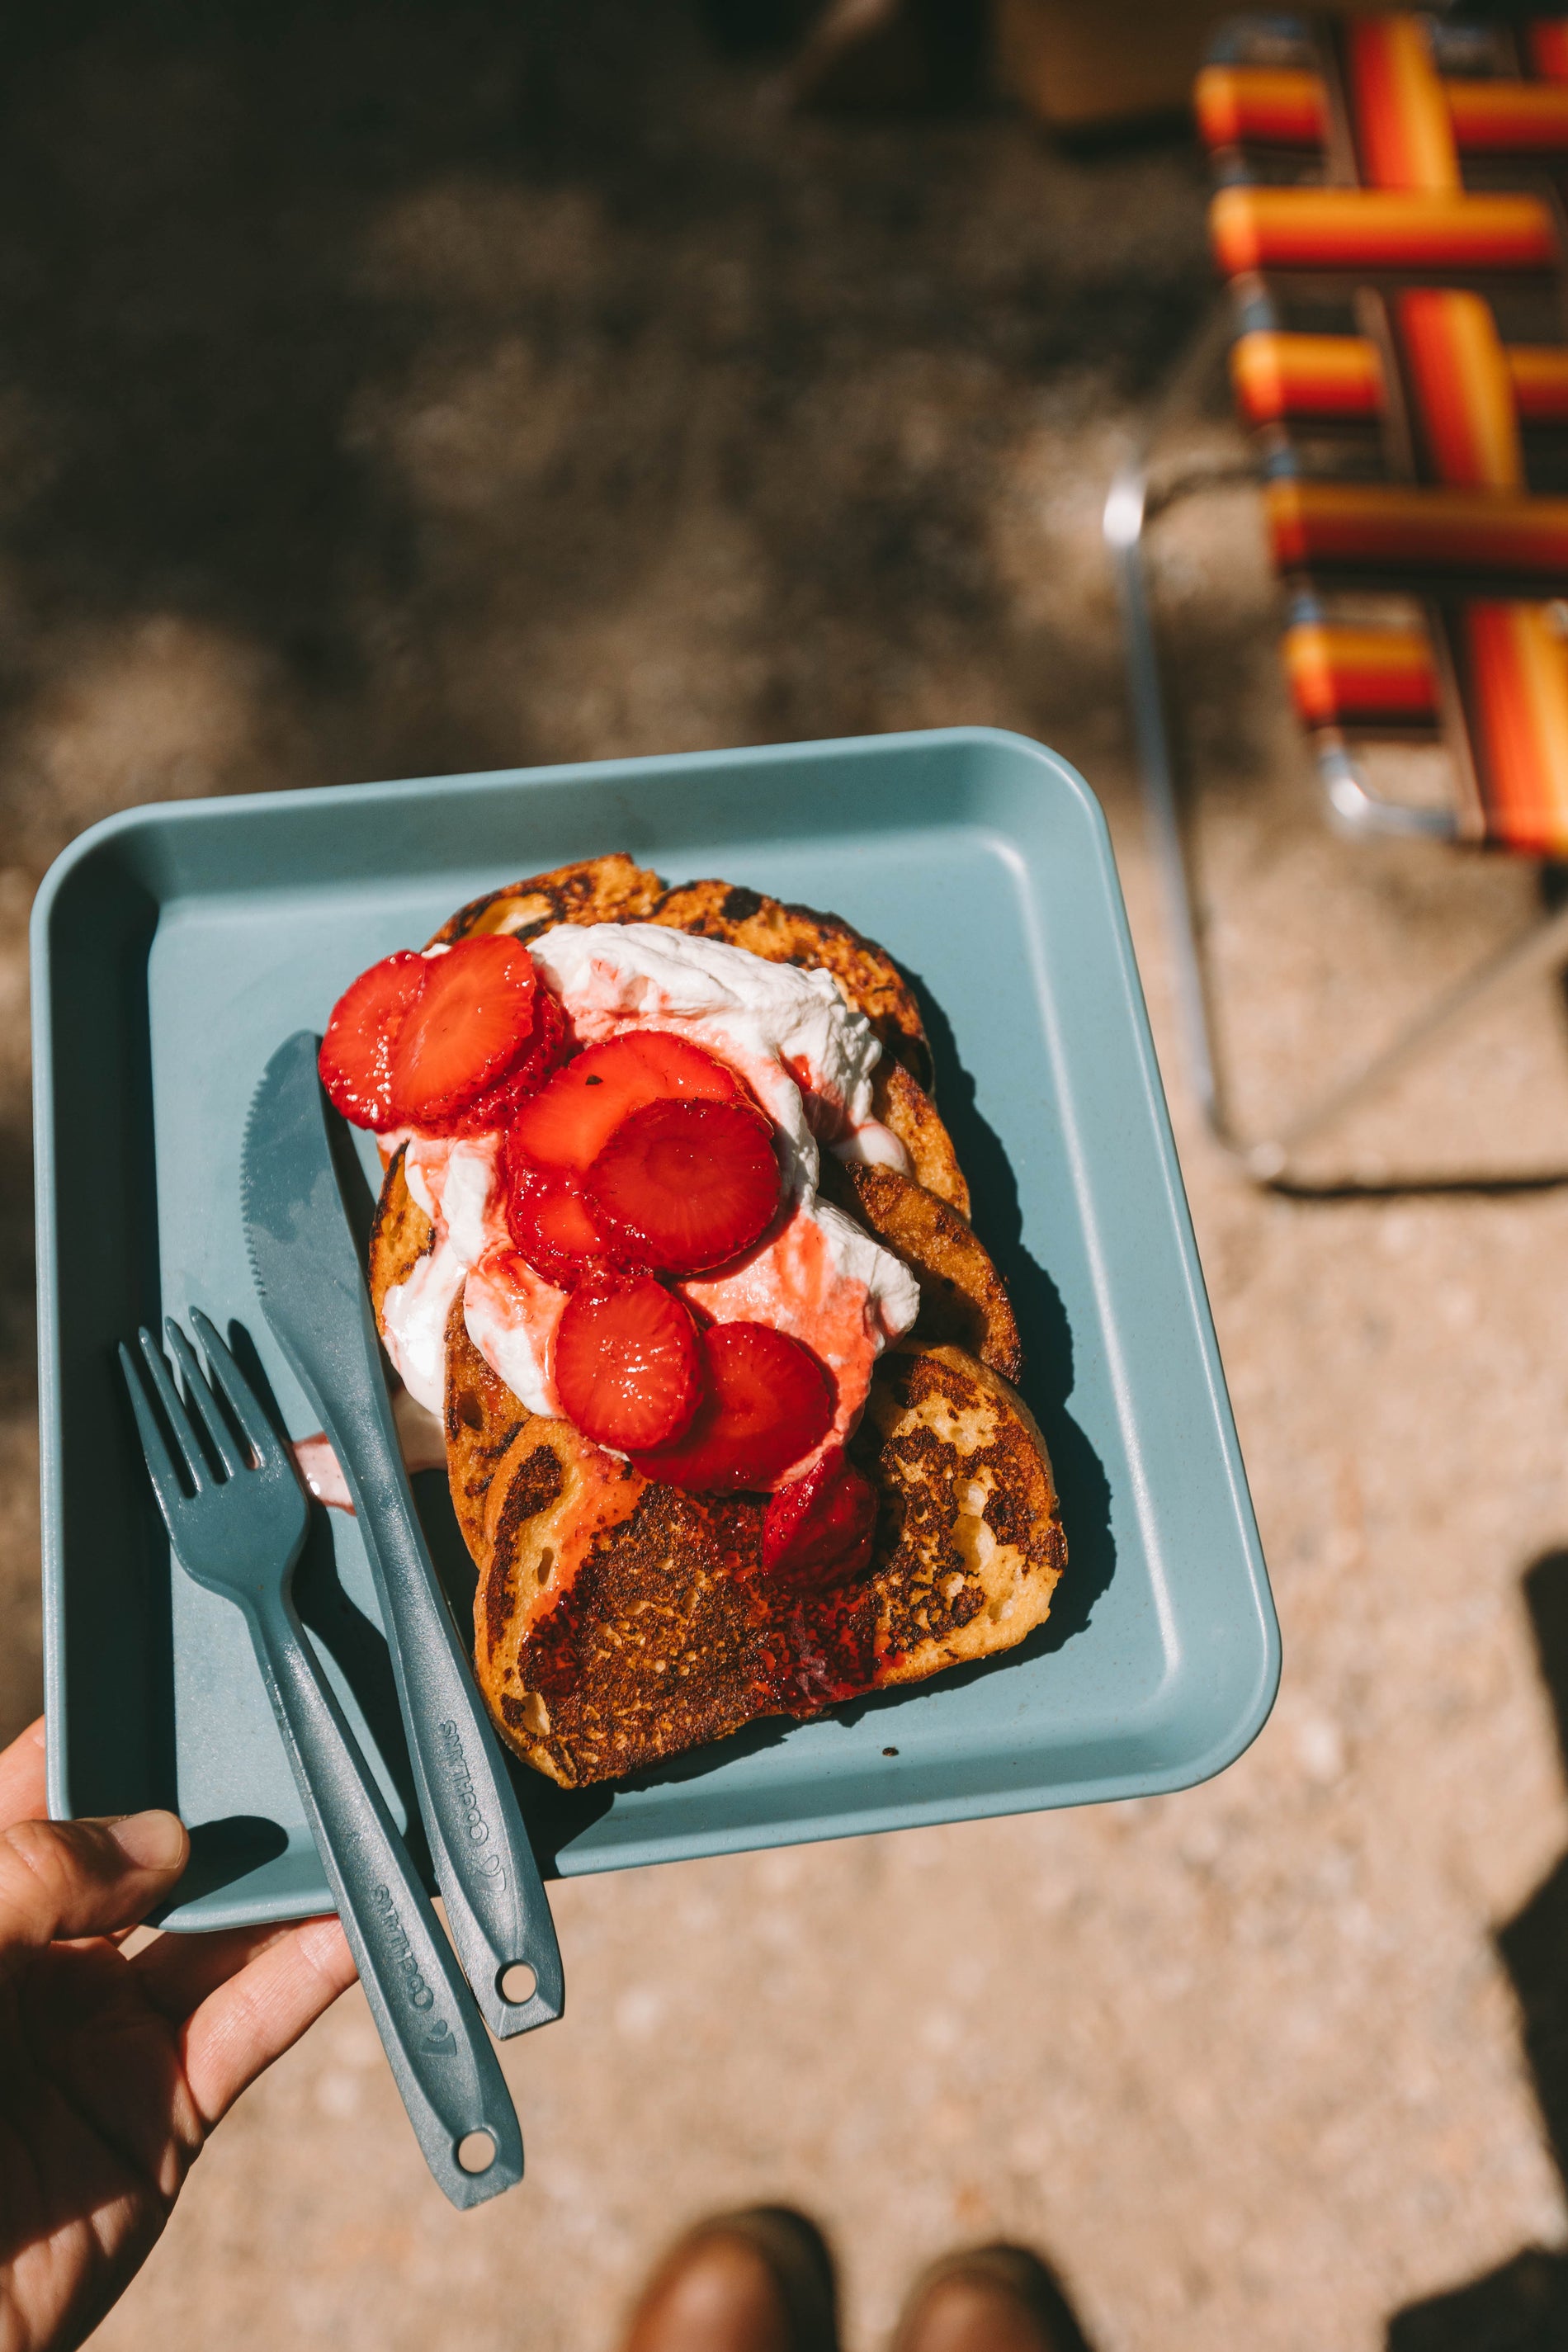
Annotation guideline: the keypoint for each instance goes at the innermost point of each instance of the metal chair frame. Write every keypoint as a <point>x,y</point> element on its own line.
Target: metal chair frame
<point>1355,810</point>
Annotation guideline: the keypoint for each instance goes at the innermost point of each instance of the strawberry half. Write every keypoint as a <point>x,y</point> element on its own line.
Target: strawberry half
<point>626,1363</point>
<point>355,1060</point>
<point>767,1402</point>
<point>472,1020</point>
<point>498,1105</point>
<point>552,1226</point>
<point>819,1530</point>
<point>562,1128</point>
<point>689,1184</point>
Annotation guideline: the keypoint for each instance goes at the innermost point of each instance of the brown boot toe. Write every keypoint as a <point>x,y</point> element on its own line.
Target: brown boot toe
<point>760,2280</point>
<point>989,2299</point>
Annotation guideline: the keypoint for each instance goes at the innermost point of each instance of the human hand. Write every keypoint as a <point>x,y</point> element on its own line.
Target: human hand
<point>114,2070</point>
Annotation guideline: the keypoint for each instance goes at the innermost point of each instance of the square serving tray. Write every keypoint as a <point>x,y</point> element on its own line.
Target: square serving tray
<point>175,946</point>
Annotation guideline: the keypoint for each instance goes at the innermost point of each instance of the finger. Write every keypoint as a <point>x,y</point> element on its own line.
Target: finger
<point>84,1878</point>
<point>242,2027</point>
<point>178,1972</point>
<point>23,1797</point>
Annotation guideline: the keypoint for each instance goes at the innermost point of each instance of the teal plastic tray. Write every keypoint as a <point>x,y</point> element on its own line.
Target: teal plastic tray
<point>175,945</point>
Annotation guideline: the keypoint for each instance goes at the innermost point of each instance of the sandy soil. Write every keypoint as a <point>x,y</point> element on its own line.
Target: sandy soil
<point>394,389</point>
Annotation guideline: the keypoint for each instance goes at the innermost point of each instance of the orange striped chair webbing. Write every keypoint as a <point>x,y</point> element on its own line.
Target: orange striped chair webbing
<point>1242,106</point>
<point>1507,118</point>
<point>1548,40</point>
<point>1403,133</point>
<point>1516,681</point>
<point>1278,376</point>
<point>1397,534</point>
<point>1343,676</point>
<point>1514,676</point>
<point>1462,395</point>
<point>1380,232</point>
<point>1256,106</point>
<point>1468,529</point>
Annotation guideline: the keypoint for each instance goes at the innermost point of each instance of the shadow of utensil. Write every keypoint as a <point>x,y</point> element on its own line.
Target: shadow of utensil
<point>553,1816</point>
<point>223,1852</point>
<point>1523,2306</point>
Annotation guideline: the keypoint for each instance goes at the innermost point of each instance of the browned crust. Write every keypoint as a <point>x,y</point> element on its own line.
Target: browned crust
<point>902,1104</point>
<point>611,889</point>
<point>800,934</point>
<point>481,1420</point>
<point>969,1508</point>
<point>401,1235</point>
<point>656,1649</point>
<point>962,1297</point>
<point>653,1630</point>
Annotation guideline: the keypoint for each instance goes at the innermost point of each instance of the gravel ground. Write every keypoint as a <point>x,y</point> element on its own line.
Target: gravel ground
<point>398,389</point>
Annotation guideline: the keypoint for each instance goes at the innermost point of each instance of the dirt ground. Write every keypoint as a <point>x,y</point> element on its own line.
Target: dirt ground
<point>397,389</point>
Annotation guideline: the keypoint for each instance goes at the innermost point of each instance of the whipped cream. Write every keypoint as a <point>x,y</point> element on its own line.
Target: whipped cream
<point>808,1056</point>
<point>457,1181</point>
<point>512,1313</point>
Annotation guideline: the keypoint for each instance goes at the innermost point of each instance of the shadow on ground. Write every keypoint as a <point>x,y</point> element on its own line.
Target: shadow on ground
<point>408,386</point>
<point>1523,2305</point>
<point>380,358</point>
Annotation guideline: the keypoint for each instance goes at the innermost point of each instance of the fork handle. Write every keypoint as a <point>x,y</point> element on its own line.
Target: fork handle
<point>441,2058</point>
<point>496,1904</point>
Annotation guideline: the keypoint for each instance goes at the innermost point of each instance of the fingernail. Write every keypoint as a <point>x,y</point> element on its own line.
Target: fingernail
<point>152,1840</point>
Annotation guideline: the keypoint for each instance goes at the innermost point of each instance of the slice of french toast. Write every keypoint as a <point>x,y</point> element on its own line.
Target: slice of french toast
<point>619,1621</point>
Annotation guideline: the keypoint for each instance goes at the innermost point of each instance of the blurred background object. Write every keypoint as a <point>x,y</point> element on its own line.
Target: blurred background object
<point>1410,463</point>
<point>1077,68</point>
<point>1093,65</point>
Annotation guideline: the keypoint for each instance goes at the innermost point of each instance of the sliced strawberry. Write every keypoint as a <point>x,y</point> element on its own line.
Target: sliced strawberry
<point>499,1104</point>
<point>356,1051</point>
<point>552,1226</point>
<point>563,1129</point>
<point>626,1363</point>
<point>473,1018</point>
<point>767,1402</point>
<point>689,1183</point>
<point>818,1530</point>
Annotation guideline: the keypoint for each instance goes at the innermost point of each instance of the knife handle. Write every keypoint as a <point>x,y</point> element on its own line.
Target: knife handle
<point>497,1910</point>
<point>446,2071</point>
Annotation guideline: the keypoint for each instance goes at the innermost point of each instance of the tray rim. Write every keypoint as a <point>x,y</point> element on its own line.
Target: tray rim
<point>157,817</point>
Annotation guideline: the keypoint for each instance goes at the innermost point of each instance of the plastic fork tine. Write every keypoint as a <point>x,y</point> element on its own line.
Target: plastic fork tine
<point>243,1400</point>
<point>198,1394</point>
<point>178,1419</point>
<point>241,1536</point>
<point>161,1466</point>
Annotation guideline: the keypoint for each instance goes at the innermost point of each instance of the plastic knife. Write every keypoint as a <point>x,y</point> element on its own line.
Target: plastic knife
<point>306,1263</point>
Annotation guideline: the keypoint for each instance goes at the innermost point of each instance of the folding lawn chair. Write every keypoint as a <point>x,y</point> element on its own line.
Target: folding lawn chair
<point>1390,221</point>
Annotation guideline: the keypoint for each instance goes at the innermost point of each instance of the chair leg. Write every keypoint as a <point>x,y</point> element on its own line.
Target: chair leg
<point>1266,1158</point>
<point>1123,528</point>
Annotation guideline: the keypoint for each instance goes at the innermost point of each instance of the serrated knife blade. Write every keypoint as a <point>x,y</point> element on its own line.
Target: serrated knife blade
<point>306,1264</point>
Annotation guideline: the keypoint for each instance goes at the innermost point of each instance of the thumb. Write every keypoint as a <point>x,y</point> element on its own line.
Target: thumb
<point>84,1878</point>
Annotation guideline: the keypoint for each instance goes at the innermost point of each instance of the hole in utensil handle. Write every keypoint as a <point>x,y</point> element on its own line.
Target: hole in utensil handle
<point>517,1983</point>
<point>475,2152</point>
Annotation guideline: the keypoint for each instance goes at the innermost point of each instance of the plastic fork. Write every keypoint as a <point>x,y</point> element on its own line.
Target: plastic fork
<point>238,1526</point>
